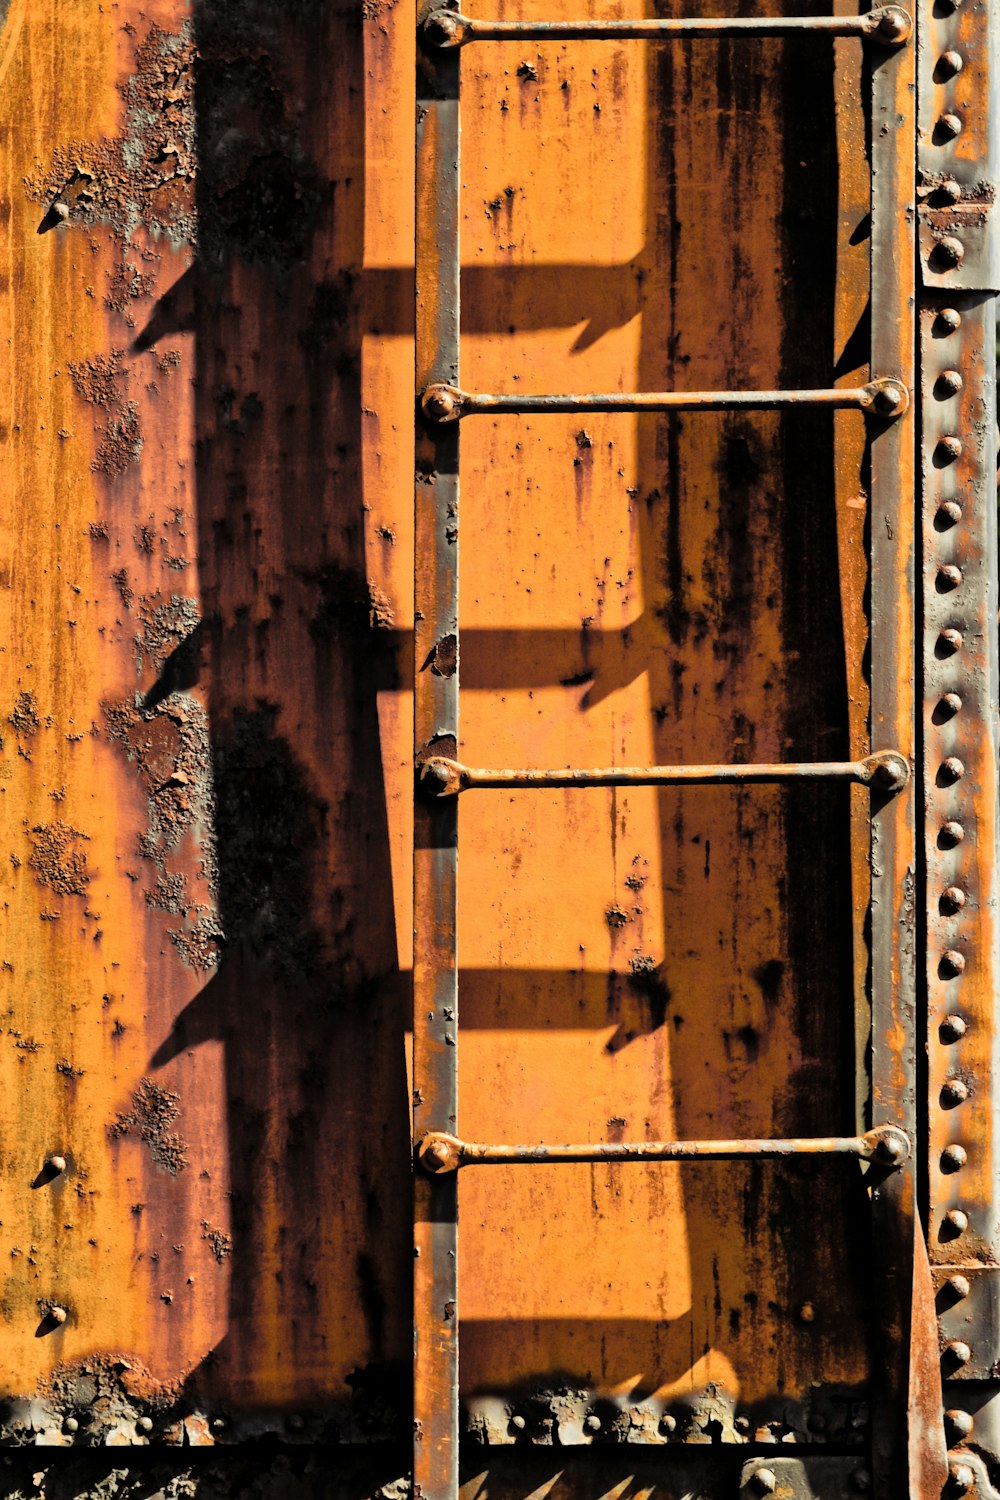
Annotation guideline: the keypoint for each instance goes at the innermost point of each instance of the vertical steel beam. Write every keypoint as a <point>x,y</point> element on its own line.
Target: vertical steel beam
<point>435,851</point>
<point>907,1460</point>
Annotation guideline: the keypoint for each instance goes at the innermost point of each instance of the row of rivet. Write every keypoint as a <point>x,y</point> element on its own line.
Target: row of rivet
<point>952,962</point>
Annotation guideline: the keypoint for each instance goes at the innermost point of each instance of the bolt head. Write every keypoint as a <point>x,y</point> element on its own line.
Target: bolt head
<point>763,1481</point>
<point>952,963</point>
<point>742,1424</point>
<point>949,317</point>
<point>953,1158</point>
<point>951,833</point>
<point>441,28</point>
<point>955,1091</point>
<point>436,1156</point>
<point>949,251</point>
<point>958,1286</point>
<point>951,770</point>
<point>893,25</point>
<point>950,126</point>
<point>949,577</point>
<point>439,403</point>
<point>517,1422</point>
<point>219,1424</point>
<point>949,64</point>
<point>668,1423</point>
<point>889,399</point>
<point>952,900</point>
<point>959,1351</point>
<point>950,641</point>
<point>145,1424</point>
<point>950,190</point>
<point>71,1425</point>
<point>56,1163</point>
<point>949,448</point>
<point>959,1425</point>
<point>957,1220</point>
<point>961,1476</point>
<point>58,1314</point>
<point>949,514</point>
<point>949,705</point>
<point>591,1423</point>
<point>807,1313</point>
<point>952,1029</point>
<point>950,382</point>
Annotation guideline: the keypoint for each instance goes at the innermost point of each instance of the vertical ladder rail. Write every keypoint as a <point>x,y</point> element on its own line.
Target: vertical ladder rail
<point>907,1449</point>
<point>435,832</point>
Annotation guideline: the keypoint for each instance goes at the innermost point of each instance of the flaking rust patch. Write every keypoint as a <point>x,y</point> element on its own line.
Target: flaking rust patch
<point>57,859</point>
<point>154,1110</point>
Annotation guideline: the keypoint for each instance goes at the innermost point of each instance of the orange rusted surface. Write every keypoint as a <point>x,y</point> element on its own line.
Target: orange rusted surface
<point>207,765</point>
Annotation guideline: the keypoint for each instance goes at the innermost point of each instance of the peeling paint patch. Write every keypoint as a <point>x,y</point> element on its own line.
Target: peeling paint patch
<point>57,859</point>
<point>154,1110</point>
<point>24,718</point>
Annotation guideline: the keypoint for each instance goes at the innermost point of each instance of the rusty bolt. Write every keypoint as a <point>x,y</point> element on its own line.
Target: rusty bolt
<point>668,1423</point>
<point>953,1092</point>
<point>959,1287</point>
<point>951,770</point>
<point>950,705</point>
<point>949,577</point>
<point>517,1422</point>
<point>58,1314</point>
<point>439,403</point>
<point>441,28</point>
<point>961,1476</point>
<point>951,641</point>
<point>436,1156</point>
<point>950,382</point>
<point>56,1163</point>
<point>764,1481</point>
<point>953,1158</point>
<point>959,1425</point>
<point>952,1029</point>
<point>957,1220</point>
<point>949,251</point>
<point>959,1351</point>
<point>591,1423</point>
<point>807,1313</point>
<point>950,190</point>
<point>742,1424</point>
<point>952,833</point>
<point>894,24</point>
<point>949,513</point>
<point>861,1481</point>
<point>949,448</point>
<point>949,64</point>
<point>952,963</point>
<point>889,399</point>
<point>950,126</point>
<point>435,777</point>
<point>219,1424</point>
<point>145,1424</point>
<point>889,1146</point>
<point>71,1424</point>
<point>953,898</point>
<point>950,317</point>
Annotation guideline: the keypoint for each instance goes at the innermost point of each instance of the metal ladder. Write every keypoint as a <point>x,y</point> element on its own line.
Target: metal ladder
<point>441,780</point>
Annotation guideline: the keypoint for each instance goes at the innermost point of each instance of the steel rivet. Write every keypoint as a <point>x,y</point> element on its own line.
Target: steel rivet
<point>959,1424</point>
<point>56,1163</point>
<point>950,125</point>
<point>668,1423</point>
<point>952,769</point>
<point>959,1351</point>
<point>951,641</point>
<point>807,1313</point>
<point>949,250</point>
<point>592,1423</point>
<point>949,448</point>
<point>58,1314</point>
<point>959,1287</point>
<point>950,317</point>
<point>888,400</point>
<point>517,1422</point>
<point>952,963</point>
<point>219,1424</point>
<point>949,64</point>
<point>950,190</point>
<point>950,705</point>
<point>952,1029</point>
<point>861,1481</point>
<point>952,833</point>
<point>764,1481</point>
<point>950,382</point>
<point>952,900</point>
<point>441,28</point>
<point>439,404</point>
<point>894,25</point>
<point>71,1425</point>
<point>742,1424</point>
<point>953,1158</point>
<point>949,577</point>
<point>954,1091</point>
<point>949,513</point>
<point>957,1220</point>
<point>145,1424</point>
<point>961,1476</point>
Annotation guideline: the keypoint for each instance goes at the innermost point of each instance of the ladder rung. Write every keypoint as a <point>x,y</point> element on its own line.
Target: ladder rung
<point>438,1152</point>
<point>885,397</point>
<point>887,770</point>
<point>890,24</point>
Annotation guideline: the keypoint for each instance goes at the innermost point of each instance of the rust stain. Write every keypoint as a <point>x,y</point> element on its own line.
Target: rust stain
<point>57,858</point>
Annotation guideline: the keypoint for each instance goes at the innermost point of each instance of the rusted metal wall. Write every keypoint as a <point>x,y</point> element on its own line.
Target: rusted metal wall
<point>207,314</point>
